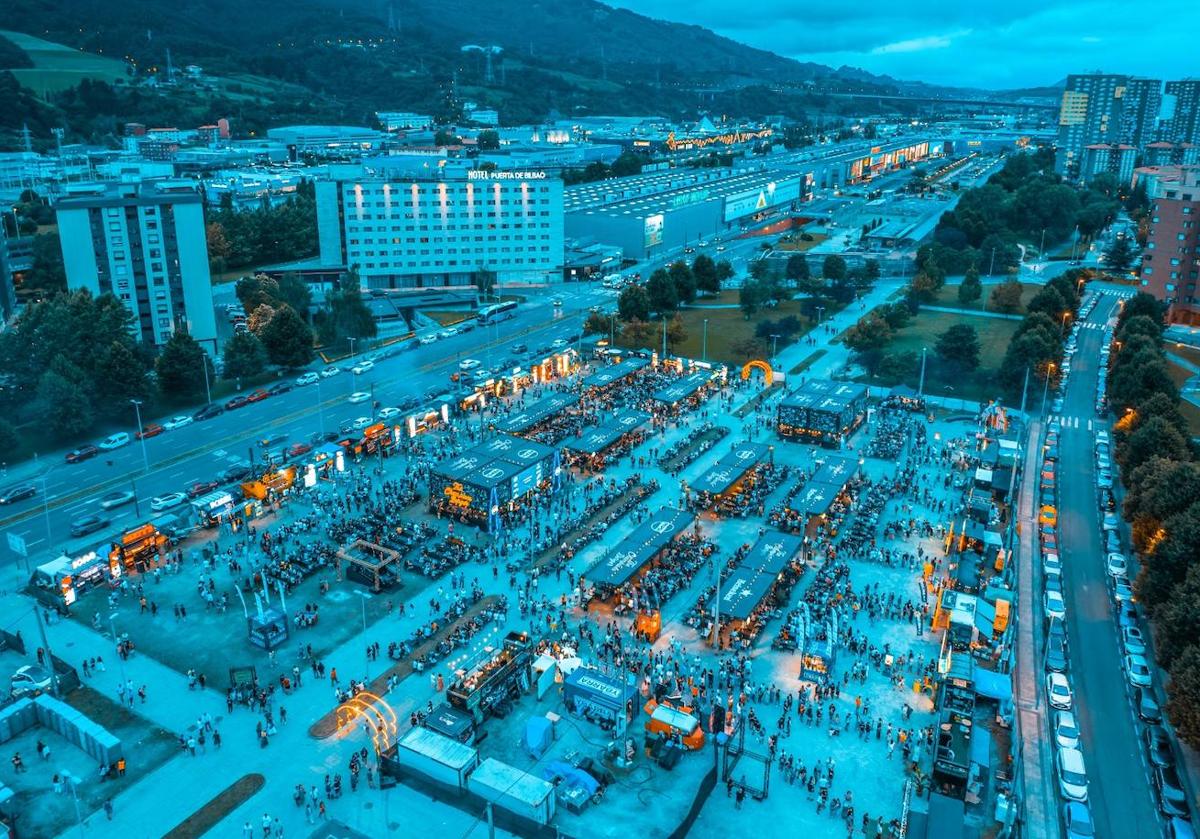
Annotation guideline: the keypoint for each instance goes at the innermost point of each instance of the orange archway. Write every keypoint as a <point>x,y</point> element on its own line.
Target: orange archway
<point>763,367</point>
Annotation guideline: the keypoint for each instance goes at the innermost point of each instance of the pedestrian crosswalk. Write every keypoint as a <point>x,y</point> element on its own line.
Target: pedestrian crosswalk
<point>1091,325</point>
<point>1065,421</point>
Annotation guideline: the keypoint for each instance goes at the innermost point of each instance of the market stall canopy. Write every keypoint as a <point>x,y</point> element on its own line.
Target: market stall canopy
<point>825,396</point>
<point>772,553</point>
<point>731,467</point>
<point>681,389</point>
<point>538,412</point>
<point>599,439</point>
<point>639,547</point>
<point>516,450</point>
<point>615,372</point>
<point>742,592</point>
<point>815,499</point>
<point>837,469</point>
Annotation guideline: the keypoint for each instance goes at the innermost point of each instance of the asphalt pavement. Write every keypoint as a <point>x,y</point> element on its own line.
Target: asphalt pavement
<point>1120,794</point>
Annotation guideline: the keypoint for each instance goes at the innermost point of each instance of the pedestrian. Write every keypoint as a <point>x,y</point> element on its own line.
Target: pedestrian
<point>308,813</point>
<point>216,739</point>
<point>247,831</point>
<point>741,796</point>
<point>321,810</point>
<point>108,809</point>
<point>282,715</point>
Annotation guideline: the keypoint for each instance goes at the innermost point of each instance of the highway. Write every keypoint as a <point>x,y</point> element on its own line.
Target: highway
<point>1120,794</point>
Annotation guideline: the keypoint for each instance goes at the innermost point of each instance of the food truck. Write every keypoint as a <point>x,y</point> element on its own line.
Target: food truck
<point>140,549</point>
<point>489,683</point>
<point>672,722</point>
<point>600,697</point>
<point>70,575</point>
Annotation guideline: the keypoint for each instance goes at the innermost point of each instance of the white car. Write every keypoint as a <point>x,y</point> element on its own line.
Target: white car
<point>30,680</point>
<point>362,367</point>
<point>1058,691</point>
<point>1066,730</point>
<point>1101,436</point>
<point>1118,566</point>
<point>114,441</point>
<point>1138,671</point>
<point>1055,608</point>
<point>308,379</point>
<point>329,372</point>
<point>1072,777</point>
<point>1133,641</point>
<point>177,422</point>
<point>1051,565</point>
<point>360,423</point>
<point>449,332</point>
<point>427,339</point>
<point>558,343</point>
<point>358,396</point>
<point>1122,590</point>
<point>468,364</point>
<point>388,413</point>
<point>166,502</point>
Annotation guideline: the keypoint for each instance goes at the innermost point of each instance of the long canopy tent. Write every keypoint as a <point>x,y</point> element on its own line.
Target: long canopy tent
<point>537,413</point>
<point>595,441</point>
<point>614,373</point>
<point>836,469</point>
<point>731,468</point>
<point>755,575</point>
<point>639,547</point>
<point>683,388</point>
<point>484,479</point>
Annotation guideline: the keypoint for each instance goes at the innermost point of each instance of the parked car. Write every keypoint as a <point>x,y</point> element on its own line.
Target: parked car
<point>1053,606</point>
<point>85,525</point>
<point>1138,671</point>
<point>272,439</point>
<point>83,453</point>
<point>279,387</point>
<point>1056,655</point>
<point>448,332</point>
<point>1147,706</point>
<point>258,395</point>
<point>1077,821</point>
<point>297,449</point>
<point>426,340</point>
<point>208,412</point>
<point>116,498</point>
<point>1122,590</point>
<point>1072,777</point>
<point>237,472</point>
<point>1066,730</point>
<point>148,431</point>
<point>362,367</point>
<point>307,379</point>
<point>388,413</point>
<point>114,441</point>
<point>17,492</point>
<point>30,680</point>
<point>236,402</point>
<point>359,423</point>
<point>1158,746</point>
<point>1118,566</point>
<point>166,502</point>
<point>1178,827</point>
<point>177,422</point>
<point>1133,641</point>
<point>1058,691</point>
<point>1172,800</point>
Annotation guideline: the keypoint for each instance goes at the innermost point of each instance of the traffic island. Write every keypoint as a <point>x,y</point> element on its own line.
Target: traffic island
<point>224,803</point>
<point>328,725</point>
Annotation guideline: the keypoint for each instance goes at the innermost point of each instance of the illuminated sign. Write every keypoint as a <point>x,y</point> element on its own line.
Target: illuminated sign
<point>456,496</point>
<point>506,175</point>
<point>654,230</point>
<point>729,139</point>
<point>772,195</point>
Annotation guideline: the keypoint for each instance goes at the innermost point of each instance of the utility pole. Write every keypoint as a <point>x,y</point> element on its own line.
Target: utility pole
<point>921,383</point>
<point>37,613</point>
<point>204,366</point>
<point>664,337</point>
<point>704,343</point>
<point>137,409</point>
<point>774,350</point>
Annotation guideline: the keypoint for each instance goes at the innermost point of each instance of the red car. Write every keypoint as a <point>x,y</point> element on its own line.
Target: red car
<point>297,449</point>
<point>82,453</point>
<point>237,402</point>
<point>151,430</point>
<point>258,395</point>
<point>198,488</point>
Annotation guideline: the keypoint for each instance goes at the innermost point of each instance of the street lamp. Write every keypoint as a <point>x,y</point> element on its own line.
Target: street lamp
<point>921,381</point>
<point>137,409</point>
<point>704,343</point>
<point>1064,321</point>
<point>204,366</point>
<point>1046,387</point>
<point>774,350</point>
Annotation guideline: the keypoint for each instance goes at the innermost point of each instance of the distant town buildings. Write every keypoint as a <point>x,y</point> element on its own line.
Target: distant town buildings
<point>1183,125</point>
<point>1170,265</point>
<point>1104,109</point>
<point>143,242</point>
<point>400,225</point>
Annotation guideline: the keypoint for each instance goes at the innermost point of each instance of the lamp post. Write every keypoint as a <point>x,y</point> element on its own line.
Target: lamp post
<point>1064,321</point>
<point>46,509</point>
<point>921,381</point>
<point>137,410</point>
<point>320,406</point>
<point>207,387</point>
<point>774,350</point>
<point>704,343</point>
<point>1046,386</point>
<point>820,315</point>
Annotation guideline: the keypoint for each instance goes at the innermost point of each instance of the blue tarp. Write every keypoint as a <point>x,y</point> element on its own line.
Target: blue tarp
<point>572,776</point>
<point>993,685</point>
<point>539,734</point>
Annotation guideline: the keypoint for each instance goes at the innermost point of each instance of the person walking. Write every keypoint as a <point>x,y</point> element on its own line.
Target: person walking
<point>108,809</point>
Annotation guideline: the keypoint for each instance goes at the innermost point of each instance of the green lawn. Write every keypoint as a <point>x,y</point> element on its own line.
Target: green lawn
<point>940,380</point>
<point>948,296</point>
<point>57,67</point>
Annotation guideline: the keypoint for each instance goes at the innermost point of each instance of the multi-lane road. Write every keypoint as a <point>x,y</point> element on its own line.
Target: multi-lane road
<point>1120,794</point>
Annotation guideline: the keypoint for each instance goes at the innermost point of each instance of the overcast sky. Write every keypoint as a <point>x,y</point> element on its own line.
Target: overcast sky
<point>985,43</point>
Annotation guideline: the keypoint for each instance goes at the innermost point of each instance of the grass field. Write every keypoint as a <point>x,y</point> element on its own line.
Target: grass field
<point>941,380</point>
<point>1178,373</point>
<point>57,67</point>
<point>948,296</point>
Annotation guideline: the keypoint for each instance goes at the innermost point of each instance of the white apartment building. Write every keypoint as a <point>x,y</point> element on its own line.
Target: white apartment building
<point>437,228</point>
<point>143,242</point>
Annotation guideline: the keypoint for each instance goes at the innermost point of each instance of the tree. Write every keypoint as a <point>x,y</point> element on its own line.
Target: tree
<point>684,282</point>
<point>897,366</point>
<point>296,293</point>
<point>748,349</point>
<point>959,346</point>
<point>704,270</point>
<point>596,323</point>
<point>637,332</point>
<point>724,271</point>
<point>676,332</point>
<point>897,315</point>
<point>633,304</point>
<point>63,407</point>
<point>488,140</point>
<point>245,356</point>
<point>1119,255</point>
<point>484,279</point>
<point>759,269</point>
<point>923,288</point>
<point>971,289</point>
<point>1006,297</point>
<point>121,374</point>
<point>181,367</point>
<point>834,268</point>
<point>1176,619</point>
<point>660,289</point>
<point>871,271</point>
<point>260,316</point>
<point>1049,302</point>
<point>1142,304</point>
<point>46,273</point>
<point>350,314</point>
<point>1153,437</point>
<point>218,246</point>
<point>750,297</point>
<point>1183,695</point>
<point>287,339</point>
<point>628,163</point>
<point>869,333</point>
<point>797,268</point>
<point>259,290</point>
<point>10,441</point>
<point>1136,376</point>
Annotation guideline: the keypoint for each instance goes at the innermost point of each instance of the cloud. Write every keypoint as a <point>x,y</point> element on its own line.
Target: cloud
<point>984,43</point>
<point>929,42</point>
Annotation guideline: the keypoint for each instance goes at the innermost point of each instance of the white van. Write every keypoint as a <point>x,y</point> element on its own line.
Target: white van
<point>114,441</point>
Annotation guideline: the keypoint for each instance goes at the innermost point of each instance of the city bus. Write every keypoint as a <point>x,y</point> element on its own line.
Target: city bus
<point>497,312</point>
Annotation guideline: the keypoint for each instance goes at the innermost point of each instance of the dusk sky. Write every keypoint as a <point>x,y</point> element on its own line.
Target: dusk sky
<point>991,44</point>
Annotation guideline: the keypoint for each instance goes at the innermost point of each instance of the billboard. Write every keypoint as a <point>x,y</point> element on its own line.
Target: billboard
<point>528,480</point>
<point>772,195</point>
<point>654,230</point>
